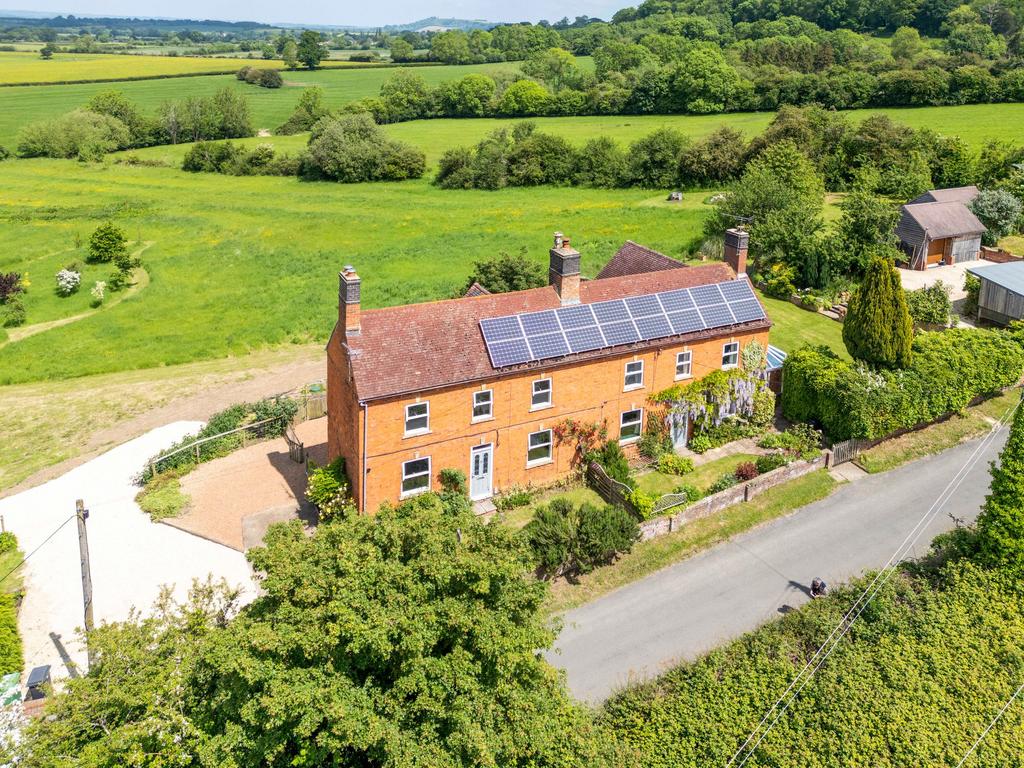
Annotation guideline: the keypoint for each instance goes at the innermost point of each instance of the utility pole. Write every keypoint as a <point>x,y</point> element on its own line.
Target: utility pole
<point>81,513</point>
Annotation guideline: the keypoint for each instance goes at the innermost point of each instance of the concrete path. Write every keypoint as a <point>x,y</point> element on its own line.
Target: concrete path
<point>132,558</point>
<point>687,609</point>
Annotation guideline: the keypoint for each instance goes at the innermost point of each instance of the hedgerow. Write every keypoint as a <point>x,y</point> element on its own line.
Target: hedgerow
<point>947,372</point>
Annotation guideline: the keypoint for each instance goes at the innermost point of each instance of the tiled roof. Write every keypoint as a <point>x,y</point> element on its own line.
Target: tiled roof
<point>476,290</point>
<point>948,195</point>
<point>936,220</point>
<point>635,259</point>
<point>419,347</point>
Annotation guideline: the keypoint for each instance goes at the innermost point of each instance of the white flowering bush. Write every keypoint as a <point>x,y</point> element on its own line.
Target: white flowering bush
<point>98,293</point>
<point>68,281</point>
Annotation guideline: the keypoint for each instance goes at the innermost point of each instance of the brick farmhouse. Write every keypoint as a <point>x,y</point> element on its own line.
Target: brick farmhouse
<point>413,389</point>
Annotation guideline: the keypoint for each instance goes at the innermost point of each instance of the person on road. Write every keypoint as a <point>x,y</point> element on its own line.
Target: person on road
<point>818,588</point>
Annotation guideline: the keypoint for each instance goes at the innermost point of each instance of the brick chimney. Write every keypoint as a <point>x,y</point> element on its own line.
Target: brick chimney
<point>735,253</point>
<point>348,300</point>
<point>564,271</point>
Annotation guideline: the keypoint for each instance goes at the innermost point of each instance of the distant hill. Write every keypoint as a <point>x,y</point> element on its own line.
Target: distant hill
<point>435,24</point>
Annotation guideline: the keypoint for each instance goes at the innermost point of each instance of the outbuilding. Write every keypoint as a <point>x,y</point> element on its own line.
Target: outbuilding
<point>1001,298</point>
<point>938,227</point>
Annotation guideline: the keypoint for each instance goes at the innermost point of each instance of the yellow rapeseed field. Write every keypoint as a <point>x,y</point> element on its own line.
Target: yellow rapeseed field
<point>25,67</point>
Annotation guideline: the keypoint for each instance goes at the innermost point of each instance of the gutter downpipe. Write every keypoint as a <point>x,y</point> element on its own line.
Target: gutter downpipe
<point>362,482</point>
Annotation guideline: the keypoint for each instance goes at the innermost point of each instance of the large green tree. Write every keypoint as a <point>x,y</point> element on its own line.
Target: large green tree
<point>309,51</point>
<point>1001,522</point>
<point>878,329</point>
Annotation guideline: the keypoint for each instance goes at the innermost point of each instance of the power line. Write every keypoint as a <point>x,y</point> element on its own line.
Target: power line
<point>846,623</point>
<point>990,726</point>
<point>26,557</point>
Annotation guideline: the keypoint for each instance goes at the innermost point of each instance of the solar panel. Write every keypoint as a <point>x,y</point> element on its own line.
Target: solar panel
<point>654,327</point>
<point>610,311</point>
<point>500,328</point>
<point>548,345</point>
<point>676,301</point>
<point>686,322</point>
<point>736,290</point>
<point>584,339</point>
<point>745,311</point>
<point>508,352</point>
<point>516,339</point>
<point>620,333</point>
<point>578,316</point>
<point>716,315</point>
<point>540,322</point>
<point>644,306</point>
<point>706,294</point>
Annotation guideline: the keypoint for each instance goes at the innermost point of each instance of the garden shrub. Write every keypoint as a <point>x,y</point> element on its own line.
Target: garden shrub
<point>700,444</point>
<point>453,481</point>
<point>352,148</point>
<point>746,471</point>
<point>1001,522</point>
<point>779,281</point>
<point>727,480</point>
<point>692,492</point>
<point>513,498</point>
<point>12,312</point>
<point>8,542</point>
<point>930,305</point>
<point>762,413</point>
<point>10,640</point>
<point>642,502</point>
<point>106,243</point>
<point>674,464</point>
<point>162,497</point>
<point>656,441</point>
<point>68,282</point>
<point>799,440</point>
<point>770,461</point>
<point>615,464</point>
<point>949,369</point>
<point>79,134</point>
<point>328,489</point>
<point>877,328</point>
<point>565,538</point>
<point>972,286</point>
<point>10,284</point>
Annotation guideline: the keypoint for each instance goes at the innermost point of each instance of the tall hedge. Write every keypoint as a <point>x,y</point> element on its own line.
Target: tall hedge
<point>1001,523</point>
<point>948,370</point>
<point>878,328</point>
<point>10,641</point>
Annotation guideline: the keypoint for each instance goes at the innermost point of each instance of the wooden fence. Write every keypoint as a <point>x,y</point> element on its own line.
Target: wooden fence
<point>257,428</point>
<point>609,489</point>
<point>296,450</point>
<point>311,407</point>
<point>848,450</point>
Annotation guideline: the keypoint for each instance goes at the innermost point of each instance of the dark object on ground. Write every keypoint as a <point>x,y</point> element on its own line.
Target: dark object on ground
<point>37,678</point>
<point>818,588</point>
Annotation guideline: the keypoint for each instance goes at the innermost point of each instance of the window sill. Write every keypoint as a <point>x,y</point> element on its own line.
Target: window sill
<point>541,407</point>
<point>416,433</point>
<point>732,367</point>
<point>539,463</point>
<point>629,440</point>
<point>478,419</point>
<point>632,387</point>
<point>410,494</point>
<point>684,376</point>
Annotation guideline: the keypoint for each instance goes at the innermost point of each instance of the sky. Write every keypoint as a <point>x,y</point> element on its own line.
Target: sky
<point>329,11</point>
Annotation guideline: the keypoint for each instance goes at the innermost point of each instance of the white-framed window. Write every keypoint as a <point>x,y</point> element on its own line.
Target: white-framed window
<point>684,364</point>
<point>415,476</point>
<point>483,405</point>
<point>538,450</point>
<point>634,374</point>
<point>629,425</point>
<point>541,394</point>
<point>730,354</point>
<point>417,418</point>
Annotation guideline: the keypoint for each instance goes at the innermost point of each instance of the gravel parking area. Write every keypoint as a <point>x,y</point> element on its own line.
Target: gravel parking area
<point>131,557</point>
<point>950,274</point>
<point>251,481</point>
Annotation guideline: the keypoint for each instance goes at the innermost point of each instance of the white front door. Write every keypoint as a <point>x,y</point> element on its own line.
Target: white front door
<point>680,426</point>
<point>480,472</point>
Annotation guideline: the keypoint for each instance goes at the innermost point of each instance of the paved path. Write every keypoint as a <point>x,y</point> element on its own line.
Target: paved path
<point>132,558</point>
<point>687,609</point>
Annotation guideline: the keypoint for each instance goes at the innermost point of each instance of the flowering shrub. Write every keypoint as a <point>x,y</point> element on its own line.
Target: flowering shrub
<point>68,281</point>
<point>720,398</point>
<point>98,293</point>
<point>770,461</point>
<point>586,436</point>
<point>673,464</point>
<point>328,490</point>
<point>10,284</point>
<point>746,471</point>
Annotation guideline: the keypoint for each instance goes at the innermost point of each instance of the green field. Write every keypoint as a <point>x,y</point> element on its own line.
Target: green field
<point>242,263</point>
<point>20,105</point>
<point>17,67</point>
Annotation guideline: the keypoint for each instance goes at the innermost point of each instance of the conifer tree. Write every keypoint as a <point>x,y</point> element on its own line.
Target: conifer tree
<point>1001,522</point>
<point>878,328</point>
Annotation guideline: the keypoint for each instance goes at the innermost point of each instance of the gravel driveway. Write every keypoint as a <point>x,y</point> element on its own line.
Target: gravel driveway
<point>131,557</point>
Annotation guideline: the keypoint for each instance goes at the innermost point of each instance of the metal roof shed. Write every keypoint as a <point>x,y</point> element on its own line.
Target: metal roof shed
<point>1001,298</point>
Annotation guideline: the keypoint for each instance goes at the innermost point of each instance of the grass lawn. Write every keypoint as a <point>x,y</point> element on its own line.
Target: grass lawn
<point>517,518</point>
<point>239,264</point>
<point>9,561</point>
<point>655,554</point>
<point>703,476</point>
<point>793,327</point>
<point>1013,244</point>
<point>937,437</point>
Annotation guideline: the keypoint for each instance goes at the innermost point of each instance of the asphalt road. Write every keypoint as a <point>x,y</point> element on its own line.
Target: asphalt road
<point>689,608</point>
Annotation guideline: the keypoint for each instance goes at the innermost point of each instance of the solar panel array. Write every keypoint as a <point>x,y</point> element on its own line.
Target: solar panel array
<point>516,339</point>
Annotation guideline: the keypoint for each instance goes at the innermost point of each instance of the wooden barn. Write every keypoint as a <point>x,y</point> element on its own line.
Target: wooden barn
<point>1001,299</point>
<point>938,228</point>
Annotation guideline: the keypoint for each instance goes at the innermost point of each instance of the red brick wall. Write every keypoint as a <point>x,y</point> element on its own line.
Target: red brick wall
<point>589,392</point>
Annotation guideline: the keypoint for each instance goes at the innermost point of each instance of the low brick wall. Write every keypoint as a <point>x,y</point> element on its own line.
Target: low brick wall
<point>998,255</point>
<point>709,505</point>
